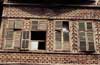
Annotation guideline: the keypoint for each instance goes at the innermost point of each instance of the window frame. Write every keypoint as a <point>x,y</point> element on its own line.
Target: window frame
<point>62,40</point>
<point>12,29</point>
<point>86,31</point>
<point>5,39</point>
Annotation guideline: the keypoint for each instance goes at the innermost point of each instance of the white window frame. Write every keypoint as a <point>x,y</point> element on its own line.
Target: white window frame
<point>86,37</point>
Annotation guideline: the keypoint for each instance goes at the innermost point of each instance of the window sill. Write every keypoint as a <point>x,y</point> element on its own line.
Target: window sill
<point>48,52</point>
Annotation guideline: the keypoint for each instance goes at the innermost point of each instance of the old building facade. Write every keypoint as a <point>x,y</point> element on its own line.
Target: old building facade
<point>35,34</point>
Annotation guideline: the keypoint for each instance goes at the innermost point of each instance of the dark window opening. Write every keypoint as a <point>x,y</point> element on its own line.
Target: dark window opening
<point>38,35</point>
<point>39,40</point>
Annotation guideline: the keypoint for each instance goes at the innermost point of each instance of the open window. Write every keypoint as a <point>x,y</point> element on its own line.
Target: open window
<point>38,40</point>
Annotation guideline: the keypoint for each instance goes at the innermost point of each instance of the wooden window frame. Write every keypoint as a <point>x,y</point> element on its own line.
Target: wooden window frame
<point>38,24</point>
<point>86,36</point>
<point>10,40</point>
<point>12,28</point>
<point>39,20</point>
<point>60,29</point>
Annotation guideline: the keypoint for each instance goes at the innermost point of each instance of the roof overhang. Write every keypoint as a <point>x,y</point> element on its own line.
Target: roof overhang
<point>55,1</point>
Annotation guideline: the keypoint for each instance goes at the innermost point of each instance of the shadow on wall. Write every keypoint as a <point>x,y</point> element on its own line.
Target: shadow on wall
<point>46,11</point>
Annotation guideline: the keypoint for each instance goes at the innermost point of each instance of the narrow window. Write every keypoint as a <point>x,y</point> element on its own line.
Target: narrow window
<point>82,41</point>
<point>62,35</point>
<point>25,40</point>
<point>8,39</point>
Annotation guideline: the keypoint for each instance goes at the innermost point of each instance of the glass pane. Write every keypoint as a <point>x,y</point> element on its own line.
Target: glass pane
<point>82,36</point>
<point>42,25</point>
<point>9,34</point>
<point>34,45</point>
<point>91,46</point>
<point>58,35</point>
<point>58,24</point>
<point>17,39</point>
<point>89,26</point>
<point>90,37</point>
<point>81,26</point>
<point>11,24</point>
<point>83,45</point>
<point>25,34</point>
<point>66,45</point>
<point>18,24</point>
<point>58,44</point>
<point>25,43</point>
<point>9,44</point>
<point>34,25</point>
<point>66,26</point>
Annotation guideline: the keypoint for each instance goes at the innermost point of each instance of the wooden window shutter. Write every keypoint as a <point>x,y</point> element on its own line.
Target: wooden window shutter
<point>58,44</point>
<point>34,25</point>
<point>17,39</point>
<point>42,25</point>
<point>18,24</point>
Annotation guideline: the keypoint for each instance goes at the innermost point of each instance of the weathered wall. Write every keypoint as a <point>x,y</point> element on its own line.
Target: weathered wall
<point>35,58</point>
<point>54,58</point>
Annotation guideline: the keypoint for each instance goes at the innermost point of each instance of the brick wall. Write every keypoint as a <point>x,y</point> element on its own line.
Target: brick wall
<point>74,13</point>
<point>35,58</point>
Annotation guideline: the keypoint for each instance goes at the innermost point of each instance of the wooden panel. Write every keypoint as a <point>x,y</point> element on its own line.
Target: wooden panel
<point>42,25</point>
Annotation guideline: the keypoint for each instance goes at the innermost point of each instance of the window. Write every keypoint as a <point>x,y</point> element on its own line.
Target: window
<point>8,39</point>
<point>38,40</point>
<point>86,36</point>
<point>39,25</point>
<point>62,36</point>
<point>13,33</point>
<point>15,24</point>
